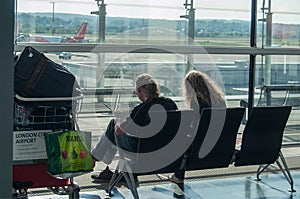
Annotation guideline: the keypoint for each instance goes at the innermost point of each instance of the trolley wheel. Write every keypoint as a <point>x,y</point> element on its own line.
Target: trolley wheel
<point>20,194</point>
<point>108,194</point>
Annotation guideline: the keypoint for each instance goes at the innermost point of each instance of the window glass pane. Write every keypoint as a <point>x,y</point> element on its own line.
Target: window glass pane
<point>135,22</point>
<point>278,24</point>
<point>130,22</point>
<point>222,24</point>
<point>55,21</point>
<point>278,74</point>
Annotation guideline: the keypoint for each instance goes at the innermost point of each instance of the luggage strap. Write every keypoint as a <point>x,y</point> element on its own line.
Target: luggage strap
<point>39,69</point>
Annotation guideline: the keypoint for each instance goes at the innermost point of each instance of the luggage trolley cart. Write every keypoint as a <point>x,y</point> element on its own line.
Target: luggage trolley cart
<point>32,118</point>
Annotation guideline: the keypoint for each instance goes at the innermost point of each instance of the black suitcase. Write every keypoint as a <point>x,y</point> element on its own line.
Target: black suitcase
<point>37,76</point>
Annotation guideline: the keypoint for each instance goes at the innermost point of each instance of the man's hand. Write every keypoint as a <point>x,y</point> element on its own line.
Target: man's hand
<point>118,130</point>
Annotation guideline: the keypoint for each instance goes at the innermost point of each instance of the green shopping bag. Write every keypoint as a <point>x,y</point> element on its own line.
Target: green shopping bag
<point>67,153</point>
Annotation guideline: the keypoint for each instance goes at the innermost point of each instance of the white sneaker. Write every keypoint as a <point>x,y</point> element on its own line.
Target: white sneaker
<point>174,179</point>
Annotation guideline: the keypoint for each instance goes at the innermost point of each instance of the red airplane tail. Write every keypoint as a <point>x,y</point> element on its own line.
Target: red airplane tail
<point>80,33</point>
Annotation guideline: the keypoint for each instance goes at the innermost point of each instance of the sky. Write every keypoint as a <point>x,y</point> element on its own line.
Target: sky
<point>283,11</point>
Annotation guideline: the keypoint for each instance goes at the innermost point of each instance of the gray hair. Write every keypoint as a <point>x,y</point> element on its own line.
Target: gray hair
<point>150,86</point>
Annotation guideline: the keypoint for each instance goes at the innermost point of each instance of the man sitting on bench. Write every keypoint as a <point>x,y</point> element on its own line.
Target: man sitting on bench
<point>105,150</point>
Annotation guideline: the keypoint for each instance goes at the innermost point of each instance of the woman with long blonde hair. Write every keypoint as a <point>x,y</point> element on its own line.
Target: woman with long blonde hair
<point>199,91</point>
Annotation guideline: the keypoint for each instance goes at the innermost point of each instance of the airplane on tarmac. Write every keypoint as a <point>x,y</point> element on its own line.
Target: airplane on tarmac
<point>79,37</point>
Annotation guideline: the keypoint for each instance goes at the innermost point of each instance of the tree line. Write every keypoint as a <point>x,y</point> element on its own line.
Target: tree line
<point>69,23</point>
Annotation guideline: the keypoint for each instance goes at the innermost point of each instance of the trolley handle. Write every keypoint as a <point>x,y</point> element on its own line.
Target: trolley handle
<point>43,99</point>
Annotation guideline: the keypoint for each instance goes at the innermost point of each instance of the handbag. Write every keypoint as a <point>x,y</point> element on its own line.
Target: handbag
<point>67,153</point>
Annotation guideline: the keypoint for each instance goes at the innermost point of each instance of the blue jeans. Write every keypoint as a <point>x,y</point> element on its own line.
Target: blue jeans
<point>105,149</point>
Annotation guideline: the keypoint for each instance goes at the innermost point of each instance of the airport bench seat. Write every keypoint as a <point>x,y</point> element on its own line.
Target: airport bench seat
<point>210,143</point>
<point>262,140</point>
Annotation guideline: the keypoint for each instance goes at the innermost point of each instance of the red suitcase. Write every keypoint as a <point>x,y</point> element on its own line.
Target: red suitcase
<point>25,176</point>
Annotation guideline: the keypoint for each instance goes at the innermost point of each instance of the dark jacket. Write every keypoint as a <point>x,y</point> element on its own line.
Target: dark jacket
<point>139,117</point>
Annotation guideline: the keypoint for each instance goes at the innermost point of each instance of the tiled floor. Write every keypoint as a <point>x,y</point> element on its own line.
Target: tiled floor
<point>272,186</point>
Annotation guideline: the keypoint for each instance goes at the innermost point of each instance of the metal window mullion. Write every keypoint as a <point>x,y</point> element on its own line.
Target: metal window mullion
<point>139,48</point>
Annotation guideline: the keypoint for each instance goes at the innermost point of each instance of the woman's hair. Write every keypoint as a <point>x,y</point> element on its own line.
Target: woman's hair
<point>146,82</point>
<point>198,85</point>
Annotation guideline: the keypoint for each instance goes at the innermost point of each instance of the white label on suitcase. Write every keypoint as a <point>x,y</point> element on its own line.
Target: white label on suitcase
<point>29,145</point>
